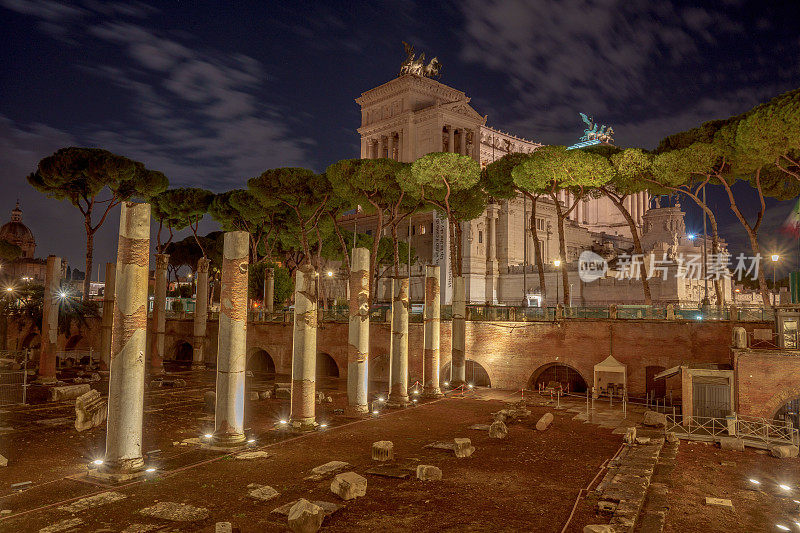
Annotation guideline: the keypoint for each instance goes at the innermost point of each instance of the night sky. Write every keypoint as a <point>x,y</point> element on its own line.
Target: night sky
<point>214,94</point>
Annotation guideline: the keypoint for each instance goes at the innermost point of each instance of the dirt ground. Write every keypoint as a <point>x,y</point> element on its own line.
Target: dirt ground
<point>703,470</point>
<point>526,482</point>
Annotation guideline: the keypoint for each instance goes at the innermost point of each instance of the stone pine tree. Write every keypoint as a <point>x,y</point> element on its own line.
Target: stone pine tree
<point>632,166</point>
<point>443,181</point>
<point>372,184</point>
<point>554,168</point>
<point>95,181</point>
<point>687,171</point>
<point>240,210</point>
<point>498,183</point>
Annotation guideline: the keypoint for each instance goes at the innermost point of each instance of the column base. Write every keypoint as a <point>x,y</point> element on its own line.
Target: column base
<point>432,393</point>
<point>227,440</point>
<point>356,410</point>
<point>45,380</point>
<point>397,402</point>
<point>455,383</point>
<point>115,478</point>
<point>119,472</point>
<point>303,424</point>
<point>198,366</point>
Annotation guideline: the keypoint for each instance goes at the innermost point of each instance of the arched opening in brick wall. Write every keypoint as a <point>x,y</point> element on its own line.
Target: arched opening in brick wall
<point>260,362</point>
<point>75,342</point>
<point>551,373</point>
<point>326,366</point>
<point>789,412</point>
<point>379,368</point>
<point>182,352</point>
<point>474,373</point>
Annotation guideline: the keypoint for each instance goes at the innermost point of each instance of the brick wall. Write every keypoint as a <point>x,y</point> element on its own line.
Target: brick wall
<point>766,380</point>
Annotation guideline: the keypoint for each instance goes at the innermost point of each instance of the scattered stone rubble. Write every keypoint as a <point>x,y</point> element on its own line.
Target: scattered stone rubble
<point>429,473</point>
<point>544,422</point>
<point>349,485</point>
<point>91,411</point>
<point>305,517</point>
<point>383,450</point>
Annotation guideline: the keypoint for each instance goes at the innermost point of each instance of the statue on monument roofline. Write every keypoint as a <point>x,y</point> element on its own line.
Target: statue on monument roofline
<point>416,65</point>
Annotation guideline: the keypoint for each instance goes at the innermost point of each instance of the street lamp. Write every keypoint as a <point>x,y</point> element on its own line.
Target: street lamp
<point>775,258</point>
<point>557,263</point>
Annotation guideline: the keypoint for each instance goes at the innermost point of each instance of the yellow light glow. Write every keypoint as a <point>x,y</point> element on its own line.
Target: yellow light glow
<point>557,263</point>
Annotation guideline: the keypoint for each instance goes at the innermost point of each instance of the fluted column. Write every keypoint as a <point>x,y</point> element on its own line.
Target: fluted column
<point>232,340</point>
<point>304,348</point>
<point>201,314</point>
<point>358,333</point>
<point>269,290</point>
<point>108,316</point>
<point>451,135</point>
<point>491,252</point>
<point>391,145</point>
<point>398,353</point>
<point>432,333</point>
<point>47,353</point>
<point>159,318</point>
<point>458,343</point>
<point>123,457</point>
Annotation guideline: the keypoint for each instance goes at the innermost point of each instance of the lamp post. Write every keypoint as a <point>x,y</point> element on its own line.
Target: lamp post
<point>775,258</point>
<point>557,263</point>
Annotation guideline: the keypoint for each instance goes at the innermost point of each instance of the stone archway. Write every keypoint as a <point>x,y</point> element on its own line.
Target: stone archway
<point>182,352</point>
<point>566,375</point>
<point>789,412</point>
<point>326,366</point>
<point>260,362</point>
<point>32,340</point>
<point>474,373</point>
<point>774,405</point>
<point>379,368</point>
<point>76,342</point>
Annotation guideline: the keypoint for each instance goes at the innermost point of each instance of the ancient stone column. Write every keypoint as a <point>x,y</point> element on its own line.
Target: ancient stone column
<point>458,361</point>
<point>451,145</point>
<point>304,348</point>
<point>201,314</point>
<point>231,347</point>
<point>432,333</point>
<point>398,376</point>
<point>47,354</point>
<point>108,317</point>
<point>128,341</point>
<point>391,145</point>
<point>358,333</point>
<point>269,290</point>
<point>159,317</point>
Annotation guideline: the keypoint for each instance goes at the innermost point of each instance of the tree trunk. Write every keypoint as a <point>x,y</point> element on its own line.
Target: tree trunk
<point>637,244</point>
<point>89,258</point>
<point>562,252</point>
<point>396,250</point>
<point>537,253</point>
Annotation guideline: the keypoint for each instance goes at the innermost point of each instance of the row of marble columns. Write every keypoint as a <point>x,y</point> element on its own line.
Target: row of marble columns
<point>636,204</point>
<point>450,133</point>
<point>123,457</point>
<point>389,146</point>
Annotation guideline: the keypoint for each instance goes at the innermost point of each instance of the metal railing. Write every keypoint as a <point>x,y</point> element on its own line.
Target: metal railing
<point>14,385</point>
<point>748,428</point>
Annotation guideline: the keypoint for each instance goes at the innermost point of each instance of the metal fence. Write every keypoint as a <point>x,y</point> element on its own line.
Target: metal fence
<point>753,430</point>
<point>14,385</point>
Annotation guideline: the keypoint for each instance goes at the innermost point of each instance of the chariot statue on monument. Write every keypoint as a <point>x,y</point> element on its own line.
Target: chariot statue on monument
<point>417,66</point>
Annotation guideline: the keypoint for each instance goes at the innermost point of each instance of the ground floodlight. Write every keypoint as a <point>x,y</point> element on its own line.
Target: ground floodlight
<point>755,481</point>
<point>323,425</point>
<point>97,462</point>
<point>785,487</point>
<point>782,527</point>
<point>446,383</point>
<point>151,469</point>
<point>469,385</point>
<point>283,422</point>
<point>380,398</point>
<point>207,435</point>
<point>251,441</point>
<point>375,412</point>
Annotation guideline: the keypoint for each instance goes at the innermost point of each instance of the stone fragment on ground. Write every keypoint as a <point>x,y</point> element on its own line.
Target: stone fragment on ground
<point>463,447</point>
<point>140,528</point>
<point>498,430</point>
<point>642,440</point>
<point>258,454</point>
<point>671,436</point>
<point>305,517</point>
<point>349,485</point>
<point>262,492</point>
<point>69,392</point>
<point>731,443</point>
<point>328,507</point>
<point>719,502</point>
<point>253,395</point>
<point>283,393</point>
<point>654,419</point>
<point>512,415</point>
<point>63,525</point>
<point>480,427</point>
<point>176,512</point>
<point>209,401</point>
<point>3,461</point>
<point>191,441</point>
<point>630,435</point>
<point>544,422</point>
<point>429,473</point>
<point>784,451</point>
<point>383,450</point>
<point>90,411</point>
<point>598,528</point>
<point>265,395</point>
<point>318,472</point>
<point>92,501</point>
<point>223,527</point>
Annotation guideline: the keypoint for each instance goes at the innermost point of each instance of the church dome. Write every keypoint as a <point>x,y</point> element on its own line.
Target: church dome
<point>18,233</point>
